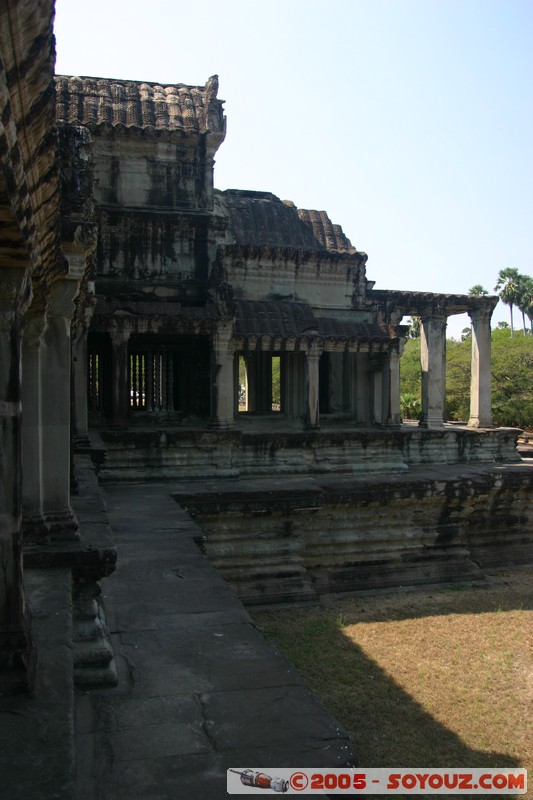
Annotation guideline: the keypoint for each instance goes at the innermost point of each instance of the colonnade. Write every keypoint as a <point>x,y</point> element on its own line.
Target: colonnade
<point>35,451</point>
<point>362,384</point>
<point>433,364</point>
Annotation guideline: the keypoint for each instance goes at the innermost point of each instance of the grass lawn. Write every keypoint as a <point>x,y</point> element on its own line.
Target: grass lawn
<point>439,677</point>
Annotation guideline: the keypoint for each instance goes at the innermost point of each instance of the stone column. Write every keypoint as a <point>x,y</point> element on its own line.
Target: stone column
<point>80,427</point>
<point>433,363</point>
<point>34,526</point>
<point>80,422</point>
<point>222,415</point>
<point>480,383</point>
<point>120,399</point>
<point>395,417</point>
<point>55,411</point>
<point>293,399</point>
<point>17,653</point>
<point>376,366</point>
<point>263,382</point>
<point>312,358</point>
<point>363,388</point>
<point>336,383</point>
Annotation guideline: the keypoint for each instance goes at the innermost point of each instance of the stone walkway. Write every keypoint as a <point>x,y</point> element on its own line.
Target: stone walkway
<point>200,689</point>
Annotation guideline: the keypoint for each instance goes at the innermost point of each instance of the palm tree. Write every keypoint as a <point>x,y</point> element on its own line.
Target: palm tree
<point>508,288</point>
<point>478,291</point>
<point>525,300</point>
<point>414,327</point>
<point>529,313</point>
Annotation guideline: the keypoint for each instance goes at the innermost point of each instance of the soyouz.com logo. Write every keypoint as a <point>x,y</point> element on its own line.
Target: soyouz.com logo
<point>377,781</point>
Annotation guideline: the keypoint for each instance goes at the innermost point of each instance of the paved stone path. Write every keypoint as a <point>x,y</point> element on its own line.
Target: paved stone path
<point>200,689</point>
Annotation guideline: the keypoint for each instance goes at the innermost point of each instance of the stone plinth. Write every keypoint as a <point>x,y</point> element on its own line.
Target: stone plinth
<point>279,541</point>
<point>182,454</point>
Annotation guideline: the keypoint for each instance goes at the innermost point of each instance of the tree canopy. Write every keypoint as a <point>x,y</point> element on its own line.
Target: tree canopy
<point>512,379</point>
<point>514,289</point>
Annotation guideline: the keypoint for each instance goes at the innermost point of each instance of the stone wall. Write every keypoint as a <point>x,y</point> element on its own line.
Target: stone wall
<point>183,454</point>
<point>286,542</point>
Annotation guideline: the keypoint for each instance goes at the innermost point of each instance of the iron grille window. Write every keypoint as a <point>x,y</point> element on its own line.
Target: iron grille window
<point>151,380</point>
<point>96,382</point>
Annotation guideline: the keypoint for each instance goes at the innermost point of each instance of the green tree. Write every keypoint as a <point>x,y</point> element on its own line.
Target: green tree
<point>414,327</point>
<point>512,379</point>
<point>508,288</point>
<point>525,300</point>
<point>410,406</point>
<point>478,291</point>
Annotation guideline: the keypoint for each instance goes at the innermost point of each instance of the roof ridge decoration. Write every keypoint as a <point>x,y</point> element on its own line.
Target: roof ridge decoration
<point>143,105</point>
<point>261,219</point>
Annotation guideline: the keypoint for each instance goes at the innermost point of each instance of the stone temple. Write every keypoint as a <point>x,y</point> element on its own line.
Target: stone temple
<point>146,321</point>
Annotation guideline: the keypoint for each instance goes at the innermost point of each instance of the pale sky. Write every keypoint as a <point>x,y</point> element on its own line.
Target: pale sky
<point>409,121</point>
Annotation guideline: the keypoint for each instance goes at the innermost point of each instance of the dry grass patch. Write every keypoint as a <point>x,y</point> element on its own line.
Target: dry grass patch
<point>439,677</point>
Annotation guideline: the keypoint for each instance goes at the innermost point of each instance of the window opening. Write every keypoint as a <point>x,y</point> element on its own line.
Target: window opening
<point>276,384</point>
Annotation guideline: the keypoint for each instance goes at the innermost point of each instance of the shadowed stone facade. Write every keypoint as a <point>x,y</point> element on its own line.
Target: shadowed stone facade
<point>193,286</point>
<point>137,299</point>
<point>143,315</point>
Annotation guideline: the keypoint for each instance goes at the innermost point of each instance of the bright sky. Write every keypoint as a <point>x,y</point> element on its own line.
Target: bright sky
<point>409,121</point>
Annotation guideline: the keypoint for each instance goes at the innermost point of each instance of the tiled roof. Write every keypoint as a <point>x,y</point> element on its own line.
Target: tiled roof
<point>263,318</point>
<point>329,328</point>
<point>330,236</point>
<point>273,318</point>
<point>262,219</point>
<point>146,309</point>
<point>96,102</point>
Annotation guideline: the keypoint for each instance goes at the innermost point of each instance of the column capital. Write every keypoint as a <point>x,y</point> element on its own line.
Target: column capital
<point>482,314</point>
<point>34,328</point>
<point>315,349</point>
<point>437,315</point>
<point>120,332</point>
<point>62,294</point>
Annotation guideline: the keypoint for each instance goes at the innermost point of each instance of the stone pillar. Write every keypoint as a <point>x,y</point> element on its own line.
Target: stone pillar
<point>17,653</point>
<point>335,383</point>
<point>293,399</point>
<point>312,358</point>
<point>363,388</point>
<point>34,526</point>
<point>222,406</point>
<point>433,363</point>
<point>120,399</point>
<point>80,427</point>
<point>377,393</point>
<point>263,382</point>
<point>480,383</point>
<point>80,412</point>
<point>395,417</point>
<point>55,411</point>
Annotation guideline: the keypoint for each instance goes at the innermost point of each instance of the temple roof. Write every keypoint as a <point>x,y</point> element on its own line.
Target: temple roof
<point>262,219</point>
<point>105,102</point>
<point>275,318</point>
